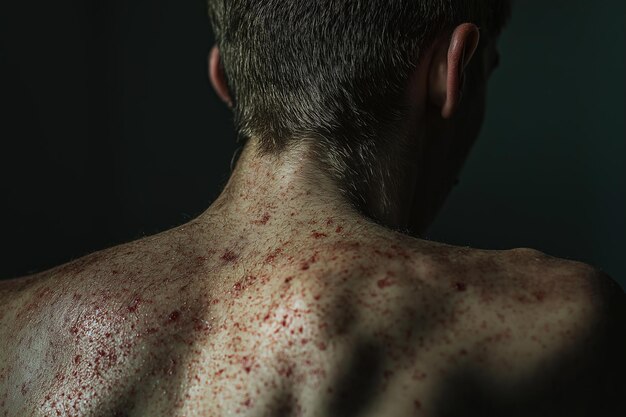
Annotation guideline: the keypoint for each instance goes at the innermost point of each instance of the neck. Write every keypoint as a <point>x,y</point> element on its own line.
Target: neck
<point>294,187</point>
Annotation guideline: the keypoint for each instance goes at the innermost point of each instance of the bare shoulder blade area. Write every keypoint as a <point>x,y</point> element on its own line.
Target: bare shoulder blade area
<point>362,327</point>
<point>472,333</point>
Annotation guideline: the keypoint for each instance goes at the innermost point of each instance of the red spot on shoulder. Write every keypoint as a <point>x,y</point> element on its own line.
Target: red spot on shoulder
<point>385,282</point>
<point>318,235</point>
<point>200,325</point>
<point>339,229</point>
<point>286,372</point>
<point>307,264</point>
<point>229,256</point>
<point>77,359</point>
<point>288,280</point>
<point>460,286</point>
<point>42,293</point>
<point>173,316</point>
<point>263,220</point>
<point>134,304</point>
<point>329,221</point>
<point>271,257</point>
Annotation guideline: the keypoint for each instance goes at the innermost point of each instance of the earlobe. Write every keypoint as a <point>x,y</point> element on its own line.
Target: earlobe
<point>216,75</point>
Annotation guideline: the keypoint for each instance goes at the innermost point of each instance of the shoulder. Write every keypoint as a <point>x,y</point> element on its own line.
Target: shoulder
<point>75,323</point>
<point>550,334</point>
<point>494,331</point>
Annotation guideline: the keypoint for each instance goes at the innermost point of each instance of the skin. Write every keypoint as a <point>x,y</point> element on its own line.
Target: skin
<point>281,299</point>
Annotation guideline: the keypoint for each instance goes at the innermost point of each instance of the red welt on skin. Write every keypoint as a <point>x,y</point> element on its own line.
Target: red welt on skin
<point>318,235</point>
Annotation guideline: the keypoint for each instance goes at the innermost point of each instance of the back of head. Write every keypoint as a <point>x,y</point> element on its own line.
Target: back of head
<point>332,70</point>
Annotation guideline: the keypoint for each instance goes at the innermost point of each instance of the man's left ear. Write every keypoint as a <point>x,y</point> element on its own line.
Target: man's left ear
<point>218,79</point>
<point>448,75</point>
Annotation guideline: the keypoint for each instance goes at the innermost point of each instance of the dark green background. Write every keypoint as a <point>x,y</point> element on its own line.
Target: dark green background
<point>548,171</point>
<point>112,131</point>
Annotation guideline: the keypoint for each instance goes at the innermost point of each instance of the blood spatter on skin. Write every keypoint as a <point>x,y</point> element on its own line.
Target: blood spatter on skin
<point>318,235</point>
<point>173,316</point>
<point>263,220</point>
<point>386,254</point>
<point>385,282</point>
<point>271,257</point>
<point>304,265</point>
<point>200,325</point>
<point>242,285</point>
<point>134,304</point>
<point>42,293</point>
<point>201,259</point>
<point>229,256</point>
<point>339,229</point>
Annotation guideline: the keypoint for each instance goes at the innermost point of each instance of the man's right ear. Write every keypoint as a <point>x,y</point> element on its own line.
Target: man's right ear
<point>218,79</point>
<point>447,69</point>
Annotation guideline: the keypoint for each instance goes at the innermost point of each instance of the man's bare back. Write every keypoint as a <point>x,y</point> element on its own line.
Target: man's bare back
<point>342,317</point>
